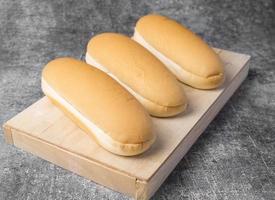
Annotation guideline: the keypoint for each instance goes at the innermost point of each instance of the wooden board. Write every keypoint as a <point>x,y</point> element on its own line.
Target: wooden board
<point>44,131</point>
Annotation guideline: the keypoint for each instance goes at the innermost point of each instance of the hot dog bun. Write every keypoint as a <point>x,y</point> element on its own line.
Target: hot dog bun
<point>139,71</point>
<point>183,52</point>
<point>99,105</point>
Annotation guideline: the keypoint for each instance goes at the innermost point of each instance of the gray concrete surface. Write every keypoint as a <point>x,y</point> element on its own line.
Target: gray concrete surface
<point>233,159</point>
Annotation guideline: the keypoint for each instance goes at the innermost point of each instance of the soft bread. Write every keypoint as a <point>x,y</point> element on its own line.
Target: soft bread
<point>183,52</point>
<point>141,73</point>
<point>99,105</point>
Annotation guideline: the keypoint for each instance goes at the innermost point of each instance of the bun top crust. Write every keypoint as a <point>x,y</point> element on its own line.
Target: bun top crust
<point>100,99</point>
<point>136,67</point>
<point>180,45</point>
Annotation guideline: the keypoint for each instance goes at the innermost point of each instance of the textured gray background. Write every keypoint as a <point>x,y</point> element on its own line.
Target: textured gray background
<point>233,159</point>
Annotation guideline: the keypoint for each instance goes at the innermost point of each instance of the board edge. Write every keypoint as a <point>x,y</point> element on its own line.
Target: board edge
<point>150,186</point>
<point>19,136</point>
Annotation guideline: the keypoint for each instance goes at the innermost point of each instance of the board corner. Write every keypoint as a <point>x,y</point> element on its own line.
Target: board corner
<point>7,129</point>
<point>142,192</point>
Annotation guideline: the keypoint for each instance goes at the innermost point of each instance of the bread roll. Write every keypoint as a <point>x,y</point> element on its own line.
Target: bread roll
<point>99,105</point>
<point>141,73</point>
<point>183,52</point>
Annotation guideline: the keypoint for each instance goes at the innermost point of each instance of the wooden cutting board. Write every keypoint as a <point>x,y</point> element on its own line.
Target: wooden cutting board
<point>43,130</point>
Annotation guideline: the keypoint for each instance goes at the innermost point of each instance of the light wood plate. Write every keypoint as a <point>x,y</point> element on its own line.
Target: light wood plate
<point>46,132</point>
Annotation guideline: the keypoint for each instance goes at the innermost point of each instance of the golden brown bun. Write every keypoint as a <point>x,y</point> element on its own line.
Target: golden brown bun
<point>138,71</point>
<point>183,52</point>
<point>99,105</point>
